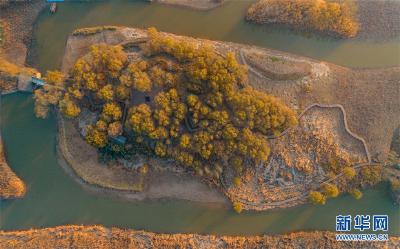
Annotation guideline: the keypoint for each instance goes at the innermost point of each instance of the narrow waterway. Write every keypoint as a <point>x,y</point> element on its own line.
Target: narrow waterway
<point>224,23</point>
<point>54,198</point>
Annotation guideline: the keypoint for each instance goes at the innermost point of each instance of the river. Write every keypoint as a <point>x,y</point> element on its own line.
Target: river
<point>53,198</point>
<point>224,23</point>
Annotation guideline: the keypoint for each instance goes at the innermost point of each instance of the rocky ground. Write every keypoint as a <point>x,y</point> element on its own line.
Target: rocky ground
<point>64,237</point>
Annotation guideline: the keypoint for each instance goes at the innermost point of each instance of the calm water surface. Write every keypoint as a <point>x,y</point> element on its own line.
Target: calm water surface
<point>223,23</point>
<point>53,198</point>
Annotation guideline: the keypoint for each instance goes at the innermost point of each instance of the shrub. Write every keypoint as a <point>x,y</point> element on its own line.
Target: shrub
<point>317,197</point>
<point>237,181</point>
<point>237,206</point>
<point>357,194</point>
<point>330,190</point>
<point>349,172</point>
<point>371,175</point>
<point>394,184</point>
<point>144,169</point>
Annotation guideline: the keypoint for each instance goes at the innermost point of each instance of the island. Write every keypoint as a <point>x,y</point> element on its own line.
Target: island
<point>178,104</point>
<point>138,115</point>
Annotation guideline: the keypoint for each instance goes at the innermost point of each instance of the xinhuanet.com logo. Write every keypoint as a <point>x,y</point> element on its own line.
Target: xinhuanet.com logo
<point>344,223</point>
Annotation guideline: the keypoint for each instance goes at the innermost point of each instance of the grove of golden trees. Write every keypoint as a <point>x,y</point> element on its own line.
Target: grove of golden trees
<point>203,115</point>
<point>334,17</point>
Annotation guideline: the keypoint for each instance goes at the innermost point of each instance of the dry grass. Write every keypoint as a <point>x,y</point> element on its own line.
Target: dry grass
<point>337,18</point>
<point>101,238</point>
<point>10,185</point>
<point>13,70</point>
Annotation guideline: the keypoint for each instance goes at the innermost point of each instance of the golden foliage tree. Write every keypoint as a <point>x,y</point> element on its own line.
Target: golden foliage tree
<point>334,17</point>
<point>51,93</point>
<point>317,197</point>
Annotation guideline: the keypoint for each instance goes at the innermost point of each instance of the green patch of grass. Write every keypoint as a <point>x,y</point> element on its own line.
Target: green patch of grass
<point>1,33</point>
<point>92,30</point>
<point>274,59</point>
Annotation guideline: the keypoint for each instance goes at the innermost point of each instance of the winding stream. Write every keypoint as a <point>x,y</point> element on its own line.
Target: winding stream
<point>53,198</point>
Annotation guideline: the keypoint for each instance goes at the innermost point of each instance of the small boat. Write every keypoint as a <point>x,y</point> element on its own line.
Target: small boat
<point>53,7</point>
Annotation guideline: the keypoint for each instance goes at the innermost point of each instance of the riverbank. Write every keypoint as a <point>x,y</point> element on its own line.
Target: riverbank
<point>10,185</point>
<point>72,236</point>
<point>19,17</point>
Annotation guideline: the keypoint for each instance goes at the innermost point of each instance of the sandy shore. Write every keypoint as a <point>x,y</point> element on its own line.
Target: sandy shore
<point>99,237</point>
<point>192,4</point>
<point>10,185</point>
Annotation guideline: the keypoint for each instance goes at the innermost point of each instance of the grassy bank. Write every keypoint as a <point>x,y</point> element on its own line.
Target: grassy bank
<point>10,185</point>
<point>101,238</point>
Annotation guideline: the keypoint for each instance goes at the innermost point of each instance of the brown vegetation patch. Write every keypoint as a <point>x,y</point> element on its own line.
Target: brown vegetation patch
<point>100,237</point>
<point>379,19</point>
<point>317,149</point>
<point>10,185</point>
<point>19,17</point>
